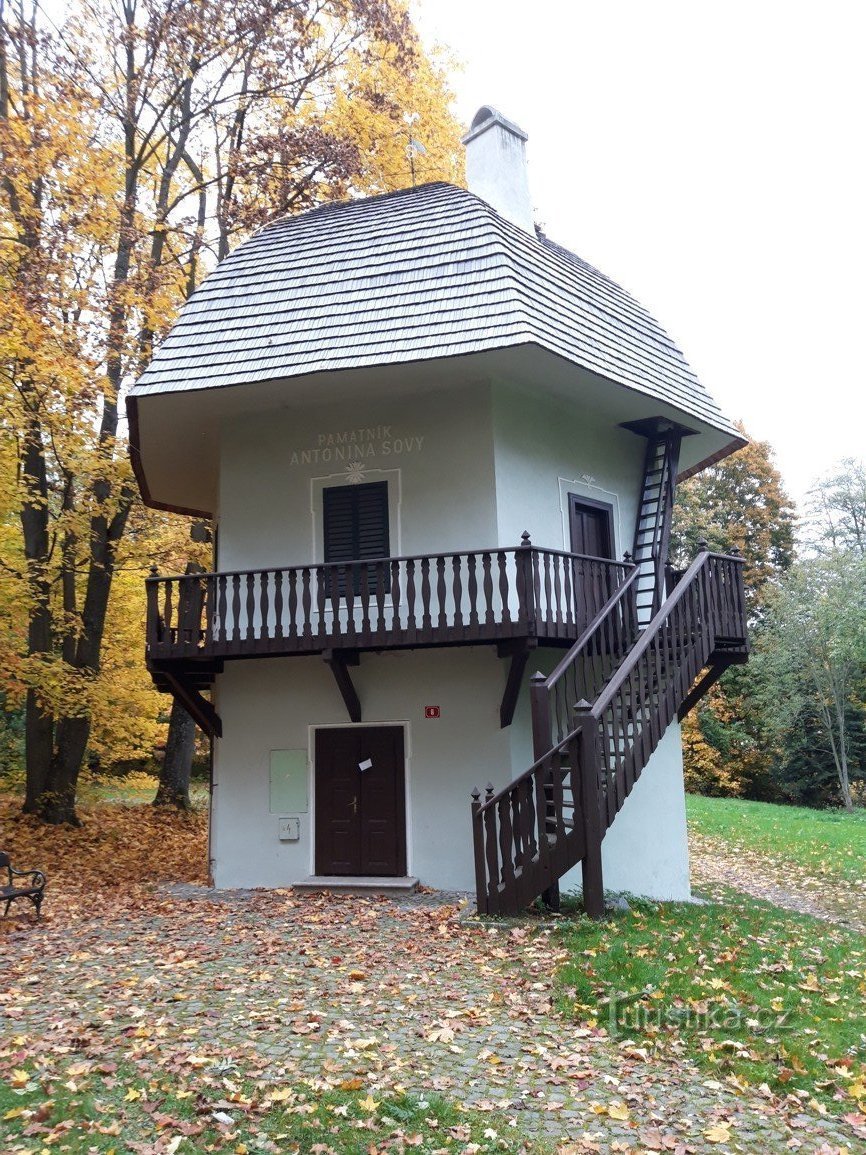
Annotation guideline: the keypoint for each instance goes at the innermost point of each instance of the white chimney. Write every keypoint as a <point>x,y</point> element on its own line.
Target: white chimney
<point>496,166</point>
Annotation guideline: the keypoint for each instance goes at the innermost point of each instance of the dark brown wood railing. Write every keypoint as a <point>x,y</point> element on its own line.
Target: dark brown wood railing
<point>438,599</point>
<point>526,835</point>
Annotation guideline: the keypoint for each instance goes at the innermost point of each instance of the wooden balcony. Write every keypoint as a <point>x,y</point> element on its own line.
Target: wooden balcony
<point>449,599</point>
<point>514,598</point>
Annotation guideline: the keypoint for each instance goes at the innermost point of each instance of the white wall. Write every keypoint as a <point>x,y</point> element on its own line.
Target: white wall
<point>476,466</point>
<point>276,703</point>
<point>435,450</point>
<point>546,448</point>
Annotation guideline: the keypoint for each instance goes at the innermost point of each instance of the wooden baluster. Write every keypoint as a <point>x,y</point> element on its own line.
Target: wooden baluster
<point>491,849</point>
<point>307,603</point>
<point>208,610</point>
<point>265,632</point>
<point>441,617</point>
<point>558,802</point>
<point>366,628</point>
<point>350,576</point>
<point>222,609</point>
<point>568,596</point>
<point>548,611</point>
<point>411,622</point>
<point>169,630</point>
<point>557,595</point>
<point>472,582</point>
<point>457,591</point>
<point>396,624</point>
<point>334,575</point>
<point>502,562</point>
<point>293,633</point>
<point>380,598</point>
<point>321,600</point>
<point>506,847</point>
<point>278,605</point>
<point>540,813</point>
<point>539,707</point>
<point>236,609</point>
<point>426,621</point>
<point>529,831</point>
<point>250,583</point>
<point>487,585</point>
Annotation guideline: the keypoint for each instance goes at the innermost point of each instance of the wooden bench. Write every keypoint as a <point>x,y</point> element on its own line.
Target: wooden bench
<point>33,890</point>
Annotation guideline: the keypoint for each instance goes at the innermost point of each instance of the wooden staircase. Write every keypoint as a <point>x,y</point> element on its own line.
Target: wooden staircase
<point>596,721</point>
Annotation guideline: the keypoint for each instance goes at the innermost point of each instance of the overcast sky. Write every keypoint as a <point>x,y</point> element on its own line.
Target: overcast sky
<point>709,157</point>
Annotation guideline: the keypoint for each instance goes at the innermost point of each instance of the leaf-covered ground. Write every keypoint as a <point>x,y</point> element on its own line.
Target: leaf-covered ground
<point>144,1017</point>
<point>811,861</point>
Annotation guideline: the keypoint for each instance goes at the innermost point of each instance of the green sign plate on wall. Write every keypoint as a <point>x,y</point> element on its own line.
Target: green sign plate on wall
<point>288,782</point>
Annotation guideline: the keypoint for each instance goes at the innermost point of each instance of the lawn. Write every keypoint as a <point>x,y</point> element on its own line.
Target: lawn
<point>236,1115</point>
<point>831,844</point>
<point>747,991</point>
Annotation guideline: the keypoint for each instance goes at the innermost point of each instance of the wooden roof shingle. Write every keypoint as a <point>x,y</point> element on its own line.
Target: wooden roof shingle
<point>422,273</point>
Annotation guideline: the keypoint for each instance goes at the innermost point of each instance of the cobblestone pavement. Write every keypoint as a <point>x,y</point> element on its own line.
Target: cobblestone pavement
<point>399,993</point>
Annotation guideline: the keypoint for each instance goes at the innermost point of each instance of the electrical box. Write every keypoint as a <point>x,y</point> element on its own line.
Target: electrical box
<point>290,829</point>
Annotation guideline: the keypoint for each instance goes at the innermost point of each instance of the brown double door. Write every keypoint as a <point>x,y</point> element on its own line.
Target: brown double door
<point>360,801</point>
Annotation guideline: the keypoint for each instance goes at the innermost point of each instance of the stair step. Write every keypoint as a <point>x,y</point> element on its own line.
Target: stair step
<point>356,884</point>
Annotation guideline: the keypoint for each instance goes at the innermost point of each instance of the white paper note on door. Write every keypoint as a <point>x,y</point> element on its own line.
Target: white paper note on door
<point>366,764</point>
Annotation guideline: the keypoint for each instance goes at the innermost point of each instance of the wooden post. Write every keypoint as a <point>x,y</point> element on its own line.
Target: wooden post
<point>593,882</point>
<point>525,585</point>
<point>478,846</point>
<point>153,631</point>
<point>541,744</point>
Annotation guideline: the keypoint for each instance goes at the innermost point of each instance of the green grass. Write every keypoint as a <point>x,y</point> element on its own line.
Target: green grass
<point>825,842</point>
<point>111,1114</point>
<point>742,987</point>
<point>131,790</point>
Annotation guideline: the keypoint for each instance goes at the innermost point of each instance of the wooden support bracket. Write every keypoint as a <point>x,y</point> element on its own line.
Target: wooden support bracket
<point>195,704</point>
<point>709,679</point>
<point>518,650</point>
<point>339,661</point>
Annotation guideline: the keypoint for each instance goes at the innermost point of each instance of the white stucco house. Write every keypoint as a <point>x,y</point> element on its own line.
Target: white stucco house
<point>440,454</point>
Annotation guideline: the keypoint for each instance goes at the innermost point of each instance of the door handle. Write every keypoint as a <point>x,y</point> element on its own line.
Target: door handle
<point>354,804</point>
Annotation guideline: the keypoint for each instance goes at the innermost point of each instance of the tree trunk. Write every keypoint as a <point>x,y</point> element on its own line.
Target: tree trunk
<point>177,764</point>
<point>57,803</point>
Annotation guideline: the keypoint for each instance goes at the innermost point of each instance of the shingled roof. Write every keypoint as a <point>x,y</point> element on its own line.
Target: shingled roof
<point>418,274</point>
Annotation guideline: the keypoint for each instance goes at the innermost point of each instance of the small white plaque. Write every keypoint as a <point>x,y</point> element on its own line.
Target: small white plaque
<point>367,764</point>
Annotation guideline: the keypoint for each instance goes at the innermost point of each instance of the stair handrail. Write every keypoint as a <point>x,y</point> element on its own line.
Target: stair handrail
<point>593,627</point>
<point>552,698</point>
<point>670,603</point>
<point>492,799</point>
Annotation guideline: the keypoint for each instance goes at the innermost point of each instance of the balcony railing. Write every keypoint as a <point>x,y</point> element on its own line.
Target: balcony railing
<point>389,603</point>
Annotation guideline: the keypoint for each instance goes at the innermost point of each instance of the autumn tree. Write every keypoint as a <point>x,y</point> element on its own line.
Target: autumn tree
<point>739,502</point>
<point>137,142</point>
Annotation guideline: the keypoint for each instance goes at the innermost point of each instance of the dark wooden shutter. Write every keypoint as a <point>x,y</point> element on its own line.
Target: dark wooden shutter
<point>356,524</point>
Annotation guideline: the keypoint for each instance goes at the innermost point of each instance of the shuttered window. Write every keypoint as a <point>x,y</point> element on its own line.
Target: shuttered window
<point>356,526</point>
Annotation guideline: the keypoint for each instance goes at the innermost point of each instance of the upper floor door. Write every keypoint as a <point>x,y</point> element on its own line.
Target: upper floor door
<point>591,524</point>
